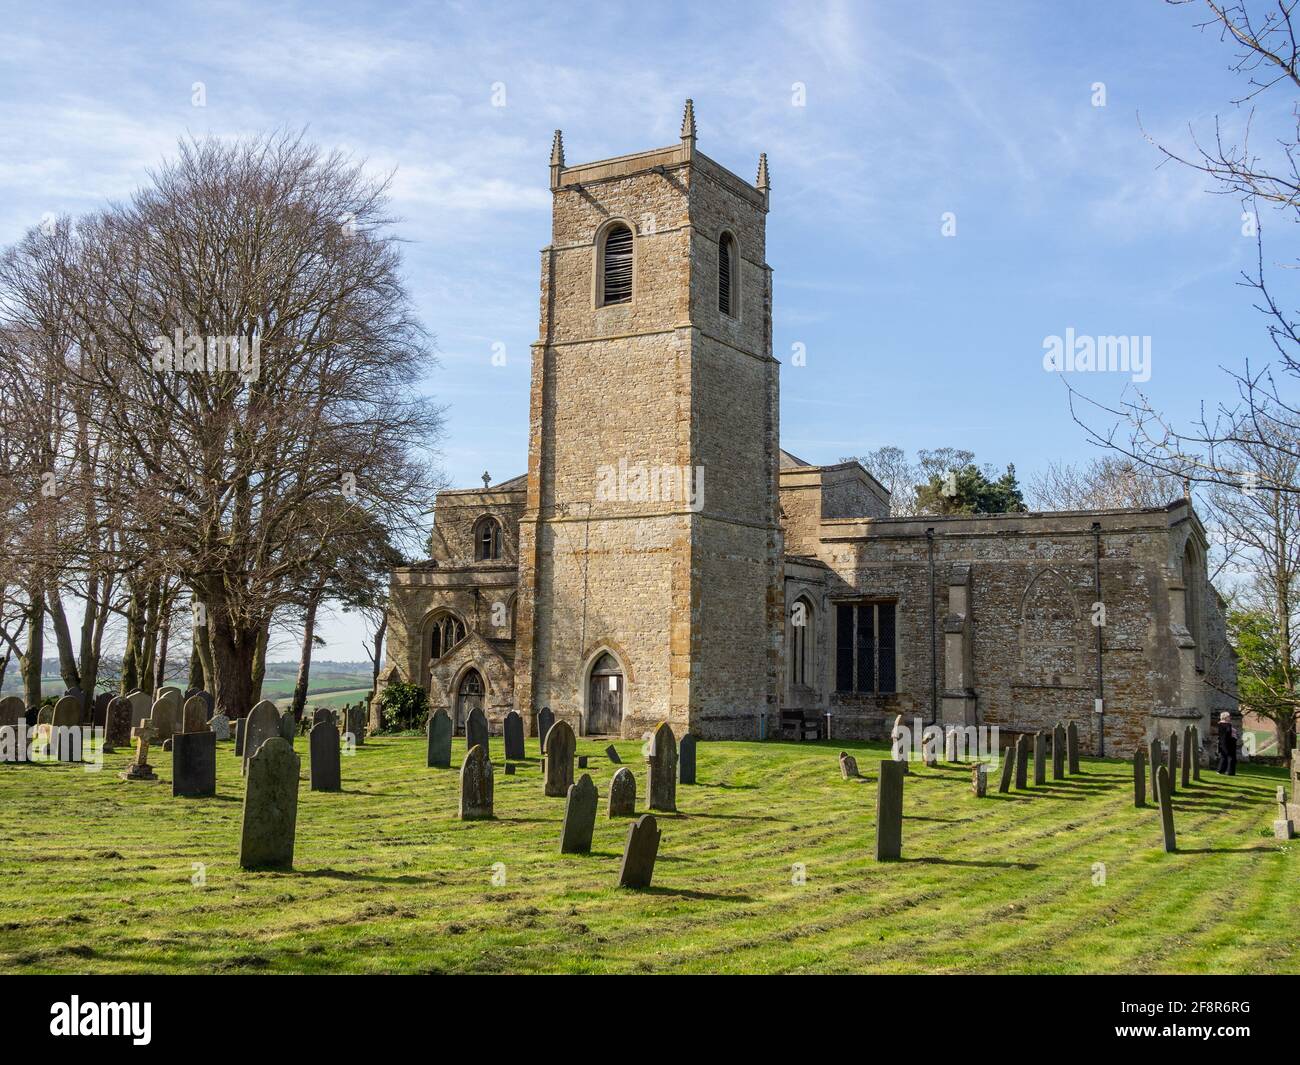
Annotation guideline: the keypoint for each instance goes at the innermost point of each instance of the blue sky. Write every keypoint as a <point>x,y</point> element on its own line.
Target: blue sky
<point>1065,218</point>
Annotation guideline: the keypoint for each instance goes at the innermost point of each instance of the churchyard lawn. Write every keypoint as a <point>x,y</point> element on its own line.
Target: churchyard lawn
<point>767,868</point>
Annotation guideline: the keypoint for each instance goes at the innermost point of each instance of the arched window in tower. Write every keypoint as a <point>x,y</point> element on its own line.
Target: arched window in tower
<point>616,265</point>
<point>448,631</point>
<point>487,540</point>
<point>727,263</point>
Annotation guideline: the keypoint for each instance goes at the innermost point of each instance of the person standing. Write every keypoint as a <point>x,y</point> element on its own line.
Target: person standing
<point>1227,746</point>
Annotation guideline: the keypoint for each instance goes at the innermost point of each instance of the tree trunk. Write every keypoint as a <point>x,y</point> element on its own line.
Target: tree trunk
<point>196,665</point>
<point>131,656</point>
<point>164,634</point>
<point>376,660</point>
<point>233,649</point>
<point>63,639</point>
<point>304,661</point>
<point>149,641</point>
<point>30,661</point>
<point>258,673</point>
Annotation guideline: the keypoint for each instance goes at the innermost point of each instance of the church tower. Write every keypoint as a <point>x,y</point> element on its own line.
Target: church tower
<point>649,580</point>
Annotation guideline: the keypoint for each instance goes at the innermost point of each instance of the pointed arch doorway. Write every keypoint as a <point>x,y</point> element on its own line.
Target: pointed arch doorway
<point>469,696</point>
<point>605,697</point>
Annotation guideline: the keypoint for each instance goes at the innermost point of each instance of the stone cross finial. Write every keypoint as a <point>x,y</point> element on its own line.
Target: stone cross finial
<point>487,479</point>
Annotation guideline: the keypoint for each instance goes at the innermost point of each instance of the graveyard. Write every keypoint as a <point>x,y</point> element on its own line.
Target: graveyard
<point>767,865</point>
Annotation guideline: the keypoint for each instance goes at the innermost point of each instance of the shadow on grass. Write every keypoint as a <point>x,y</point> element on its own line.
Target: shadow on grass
<point>725,786</point>
<point>343,874</point>
<point>1225,850</point>
<point>945,820</point>
<point>971,863</point>
<point>704,896</point>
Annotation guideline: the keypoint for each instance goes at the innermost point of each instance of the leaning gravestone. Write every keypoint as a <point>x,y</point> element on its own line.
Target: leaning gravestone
<point>513,736</point>
<point>1022,761</point>
<point>889,813</point>
<point>194,715</point>
<point>220,726</point>
<point>1140,777</point>
<point>579,817</point>
<point>270,806</point>
<point>326,774</point>
<point>439,740</point>
<point>979,779</point>
<point>686,760</point>
<point>117,725</point>
<point>194,764</point>
<point>1072,747</point>
<point>1172,755</point>
<point>639,853</point>
<point>1008,764</point>
<point>476,730</point>
<point>263,724</point>
<point>545,721</point>
<point>611,752</point>
<point>557,760</point>
<point>1153,761</point>
<point>1040,759</point>
<point>848,766</point>
<point>1058,752</point>
<point>662,790</point>
<point>1165,792</point>
<point>622,794</point>
<point>476,786</point>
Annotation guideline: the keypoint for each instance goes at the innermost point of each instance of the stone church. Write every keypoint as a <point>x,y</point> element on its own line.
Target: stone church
<point>664,559</point>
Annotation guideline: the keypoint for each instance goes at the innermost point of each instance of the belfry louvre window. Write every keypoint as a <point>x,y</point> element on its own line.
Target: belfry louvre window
<point>616,281</point>
<point>864,648</point>
<point>726,273</point>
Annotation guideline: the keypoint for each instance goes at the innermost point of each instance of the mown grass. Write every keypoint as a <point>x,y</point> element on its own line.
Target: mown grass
<point>96,874</point>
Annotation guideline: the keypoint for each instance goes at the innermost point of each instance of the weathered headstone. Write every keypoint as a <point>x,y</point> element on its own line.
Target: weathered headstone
<point>1140,776</point>
<point>1187,758</point>
<point>263,723</point>
<point>1165,793</point>
<point>288,726</point>
<point>686,760</point>
<point>929,745</point>
<point>898,746</point>
<point>661,792</point>
<point>140,706</point>
<point>1040,759</point>
<point>324,713</point>
<point>639,853</point>
<point>1283,826</point>
<point>1058,752</point>
<point>1153,761</point>
<point>579,817</point>
<point>326,773</point>
<point>1072,747</point>
<point>241,730</point>
<point>194,715</point>
<point>117,725</point>
<point>512,731</point>
<point>1022,761</point>
<point>582,761</point>
<point>545,721</point>
<point>12,711</point>
<point>622,794</point>
<point>270,805</point>
<point>476,731</point>
<point>557,760</point>
<point>951,749</point>
<point>1008,765</point>
<point>163,718</point>
<point>76,693</point>
<point>476,786</point>
<point>848,766</point>
<point>99,713</point>
<point>194,764</point>
<point>979,779</point>
<point>1172,764</point>
<point>67,712</point>
<point>440,730</point>
<point>611,752</point>
<point>1196,752</point>
<point>220,726</point>
<point>140,769</point>
<point>354,724</point>
<point>889,813</point>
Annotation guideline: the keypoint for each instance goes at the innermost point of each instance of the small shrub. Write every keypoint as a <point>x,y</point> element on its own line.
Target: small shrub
<point>404,706</point>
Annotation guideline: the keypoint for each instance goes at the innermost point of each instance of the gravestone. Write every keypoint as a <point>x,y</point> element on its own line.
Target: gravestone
<point>354,723</point>
<point>1058,752</point>
<point>194,715</point>
<point>1008,764</point>
<point>80,696</point>
<point>661,792</point>
<point>12,711</point>
<point>439,740</point>
<point>263,724</point>
<point>639,853</point>
<point>929,743</point>
<point>1040,759</point>
<point>611,752</point>
<point>1022,761</point>
<point>1072,747</point>
<point>686,760</point>
<point>557,760</point>
<point>163,718</point>
<point>1172,763</point>
<point>32,716</point>
<point>1140,777</point>
<point>1165,793</point>
<point>476,730</point>
<point>889,813</point>
<point>117,726</point>
<point>241,730</point>
<point>140,706</point>
<point>140,769</point>
<point>582,761</point>
<point>270,805</point>
<point>951,748</point>
<point>476,786</point>
<point>1196,752</point>
<point>1284,826</point>
<point>207,698</point>
<point>194,764</point>
<point>545,722</point>
<point>326,773</point>
<point>897,748</point>
<point>323,713</point>
<point>513,736</point>
<point>171,693</point>
<point>579,817</point>
<point>848,766</point>
<point>1153,761</point>
<point>67,712</point>
<point>220,726</point>
<point>288,726</point>
<point>1187,758</point>
<point>622,794</point>
<point>979,779</point>
<point>510,769</point>
<point>99,713</point>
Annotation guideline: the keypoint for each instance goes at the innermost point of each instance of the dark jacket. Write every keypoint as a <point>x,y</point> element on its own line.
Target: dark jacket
<point>1227,740</point>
